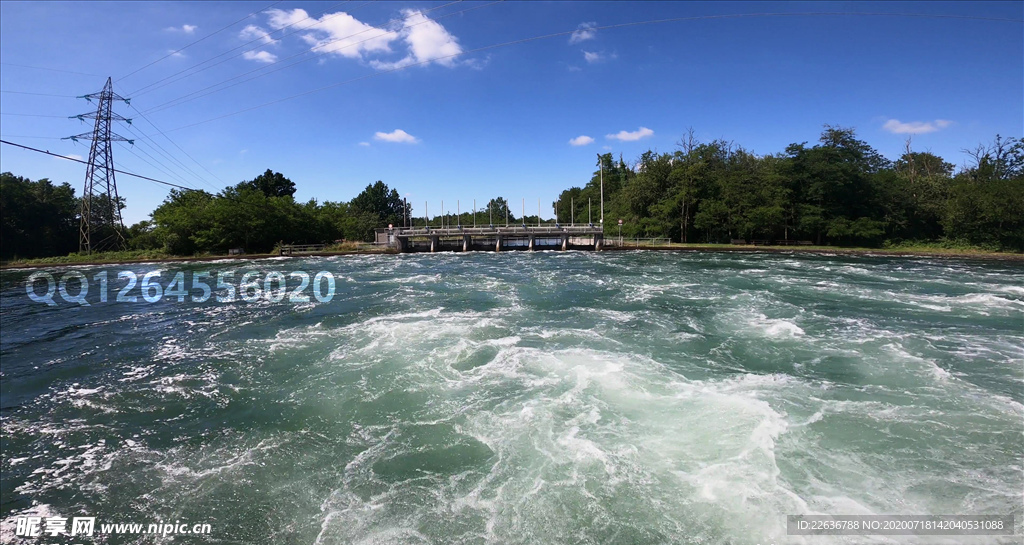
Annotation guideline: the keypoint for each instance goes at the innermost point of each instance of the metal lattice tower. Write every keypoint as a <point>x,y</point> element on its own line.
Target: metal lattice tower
<point>101,227</point>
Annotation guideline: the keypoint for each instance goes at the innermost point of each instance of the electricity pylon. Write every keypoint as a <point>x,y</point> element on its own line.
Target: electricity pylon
<point>101,227</point>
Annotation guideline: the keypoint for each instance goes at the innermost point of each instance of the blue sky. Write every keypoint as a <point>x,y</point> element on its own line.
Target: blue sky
<point>418,99</point>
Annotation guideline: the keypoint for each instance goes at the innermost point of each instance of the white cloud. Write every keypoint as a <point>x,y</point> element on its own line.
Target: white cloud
<point>581,140</point>
<point>260,56</point>
<point>279,18</point>
<point>584,32</point>
<point>624,136</point>
<point>365,144</point>
<point>425,40</point>
<point>72,156</point>
<point>595,57</point>
<point>397,65</point>
<point>895,126</point>
<point>335,33</point>
<point>187,29</point>
<point>477,64</point>
<point>177,54</point>
<point>253,32</point>
<point>398,135</point>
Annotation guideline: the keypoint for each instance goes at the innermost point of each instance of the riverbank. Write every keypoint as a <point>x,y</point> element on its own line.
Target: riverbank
<point>831,250</point>
<point>101,259</point>
<point>118,259</point>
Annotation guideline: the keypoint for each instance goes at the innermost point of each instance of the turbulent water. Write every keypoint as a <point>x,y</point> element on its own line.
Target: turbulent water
<point>634,397</point>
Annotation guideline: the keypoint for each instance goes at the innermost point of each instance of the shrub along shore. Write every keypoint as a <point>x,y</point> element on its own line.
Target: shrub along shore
<point>840,195</point>
<point>129,257</point>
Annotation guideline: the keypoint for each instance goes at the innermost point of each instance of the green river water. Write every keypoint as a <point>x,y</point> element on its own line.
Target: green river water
<point>549,397</point>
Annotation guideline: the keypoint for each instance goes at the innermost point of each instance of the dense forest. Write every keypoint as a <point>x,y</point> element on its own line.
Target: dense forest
<point>839,191</point>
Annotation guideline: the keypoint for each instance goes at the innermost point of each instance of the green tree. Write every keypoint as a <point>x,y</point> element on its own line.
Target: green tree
<point>497,209</point>
<point>834,178</point>
<point>180,218</point>
<point>142,236</point>
<point>380,202</point>
<point>37,219</point>
<point>986,203</point>
<point>912,196</point>
<point>273,184</point>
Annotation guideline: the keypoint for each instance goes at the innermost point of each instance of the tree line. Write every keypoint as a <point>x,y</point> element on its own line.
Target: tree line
<point>256,215</point>
<point>839,191</point>
<point>41,219</point>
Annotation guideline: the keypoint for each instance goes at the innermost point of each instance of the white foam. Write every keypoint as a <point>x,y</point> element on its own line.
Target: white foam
<point>774,328</point>
<point>8,527</point>
<point>1019,290</point>
<point>782,328</point>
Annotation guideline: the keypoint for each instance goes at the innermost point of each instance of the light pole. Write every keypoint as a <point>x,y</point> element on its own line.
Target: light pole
<point>601,163</point>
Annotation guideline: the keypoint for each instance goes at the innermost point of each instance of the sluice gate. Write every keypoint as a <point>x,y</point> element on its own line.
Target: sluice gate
<point>494,239</point>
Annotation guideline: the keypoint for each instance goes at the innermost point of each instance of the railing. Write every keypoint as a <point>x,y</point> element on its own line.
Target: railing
<point>500,230</point>
<point>290,249</point>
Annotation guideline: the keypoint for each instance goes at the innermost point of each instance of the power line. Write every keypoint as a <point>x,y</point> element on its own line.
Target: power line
<point>186,98</point>
<point>221,195</point>
<point>27,136</point>
<point>126,173</point>
<point>157,148</point>
<point>175,144</point>
<point>172,53</point>
<point>151,141</point>
<point>162,168</point>
<point>569,32</point>
<point>141,139</point>
<point>50,69</point>
<point>148,88</point>
<point>167,157</point>
<point>33,115</point>
<point>38,94</point>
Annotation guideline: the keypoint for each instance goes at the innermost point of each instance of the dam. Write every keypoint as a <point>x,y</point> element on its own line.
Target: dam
<point>492,238</point>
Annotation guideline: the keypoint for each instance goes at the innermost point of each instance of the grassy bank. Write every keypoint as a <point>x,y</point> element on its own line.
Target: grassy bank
<point>150,256</point>
<point>126,256</point>
<point>919,250</point>
<point>916,250</point>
